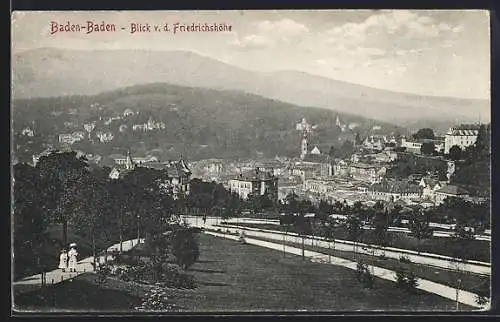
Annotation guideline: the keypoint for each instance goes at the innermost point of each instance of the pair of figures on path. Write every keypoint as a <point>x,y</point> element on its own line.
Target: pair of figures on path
<point>68,259</point>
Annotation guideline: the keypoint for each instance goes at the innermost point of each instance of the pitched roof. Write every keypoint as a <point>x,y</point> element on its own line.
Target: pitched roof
<point>315,150</point>
<point>317,158</point>
<point>255,175</point>
<point>430,182</point>
<point>362,166</point>
<point>175,169</point>
<point>395,187</point>
<point>464,129</point>
<point>453,190</point>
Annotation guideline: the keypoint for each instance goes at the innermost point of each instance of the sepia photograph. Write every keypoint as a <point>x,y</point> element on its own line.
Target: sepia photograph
<point>250,161</point>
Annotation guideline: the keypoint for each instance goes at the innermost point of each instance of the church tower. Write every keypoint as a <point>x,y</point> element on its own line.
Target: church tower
<point>129,163</point>
<point>303,147</point>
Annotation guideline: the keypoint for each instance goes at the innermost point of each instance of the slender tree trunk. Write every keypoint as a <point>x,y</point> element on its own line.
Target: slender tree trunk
<point>283,245</point>
<point>121,232</point>
<point>329,252</point>
<point>303,250</point>
<point>93,247</point>
<point>65,232</point>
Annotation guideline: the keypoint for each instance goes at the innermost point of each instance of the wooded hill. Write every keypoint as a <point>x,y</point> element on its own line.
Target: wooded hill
<point>199,123</point>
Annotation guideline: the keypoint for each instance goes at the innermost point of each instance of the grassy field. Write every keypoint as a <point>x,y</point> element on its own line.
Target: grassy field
<point>234,277</point>
<point>237,277</point>
<point>474,249</point>
<point>469,281</point>
<point>81,294</point>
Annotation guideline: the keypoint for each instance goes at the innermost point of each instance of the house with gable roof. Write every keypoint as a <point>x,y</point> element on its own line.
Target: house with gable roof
<point>450,191</point>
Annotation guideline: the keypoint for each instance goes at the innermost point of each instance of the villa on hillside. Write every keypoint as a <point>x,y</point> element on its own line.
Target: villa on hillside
<point>429,187</point>
<point>463,136</point>
<point>416,146</point>
<point>177,173</point>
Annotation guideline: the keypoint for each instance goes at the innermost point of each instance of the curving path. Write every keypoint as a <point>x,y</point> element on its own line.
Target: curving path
<point>435,260</point>
<point>84,265</point>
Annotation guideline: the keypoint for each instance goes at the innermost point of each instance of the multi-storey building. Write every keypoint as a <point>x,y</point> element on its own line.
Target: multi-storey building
<point>255,182</point>
<point>395,190</point>
<point>463,136</point>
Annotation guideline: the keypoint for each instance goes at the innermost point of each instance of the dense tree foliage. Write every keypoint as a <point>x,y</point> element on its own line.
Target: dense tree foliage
<point>455,153</point>
<point>185,246</point>
<point>473,171</point>
<point>408,163</point>
<point>419,226</point>
<point>425,133</point>
<point>428,148</point>
<point>62,191</point>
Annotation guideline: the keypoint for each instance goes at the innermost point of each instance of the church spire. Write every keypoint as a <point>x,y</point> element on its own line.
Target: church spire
<point>129,164</point>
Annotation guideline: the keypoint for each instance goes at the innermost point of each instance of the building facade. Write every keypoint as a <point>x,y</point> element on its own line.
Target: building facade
<point>462,136</point>
<point>255,182</point>
<point>450,191</point>
<point>395,190</point>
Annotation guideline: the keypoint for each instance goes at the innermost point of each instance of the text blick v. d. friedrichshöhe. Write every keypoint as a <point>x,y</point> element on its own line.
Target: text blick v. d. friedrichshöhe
<point>134,27</point>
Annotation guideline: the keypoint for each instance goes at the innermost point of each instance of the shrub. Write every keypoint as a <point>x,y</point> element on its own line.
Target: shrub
<point>481,300</point>
<point>172,276</point>
<point>364,275</point>
<point>482,294</point>
<point>406,279</point>
<point>156,271</point>
<point>185,248</point>
<point>156,299</point>
<point>404,259</point>
<point>103,272</point>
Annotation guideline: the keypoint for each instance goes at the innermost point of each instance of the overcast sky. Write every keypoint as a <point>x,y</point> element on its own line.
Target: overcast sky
<point>443,53</point>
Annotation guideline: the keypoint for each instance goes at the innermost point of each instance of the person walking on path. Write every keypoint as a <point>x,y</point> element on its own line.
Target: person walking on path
<point>63,260</point>
<point>72,254</point>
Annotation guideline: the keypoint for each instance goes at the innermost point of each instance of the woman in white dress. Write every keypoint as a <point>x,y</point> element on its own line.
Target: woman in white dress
<point>63,260</point>
<point>72,254</point>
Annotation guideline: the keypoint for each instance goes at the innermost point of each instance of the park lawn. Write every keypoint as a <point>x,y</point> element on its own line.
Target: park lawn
<point>81,294</point>
<point>240,277</point>
<point>473,249</point>
<point>469,281</point>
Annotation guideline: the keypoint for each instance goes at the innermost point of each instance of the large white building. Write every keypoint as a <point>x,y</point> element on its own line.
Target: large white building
<point>462,136</point>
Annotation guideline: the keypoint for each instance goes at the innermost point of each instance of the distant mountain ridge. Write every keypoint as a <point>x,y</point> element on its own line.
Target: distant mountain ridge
<point>54,72</point>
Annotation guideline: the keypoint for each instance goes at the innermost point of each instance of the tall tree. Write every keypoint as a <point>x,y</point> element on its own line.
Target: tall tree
<point>29,222</point>
<point>354,229</point>
<point>427,148</point>
<point>185,246</point>
<point>381,224</point>
<point>90,214</point>
<point>61,175</point>
<point>291,204</point>
<point>455,153</point>
<point>425,133</point>
<point>329,234</point>
<point>419,226</point>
